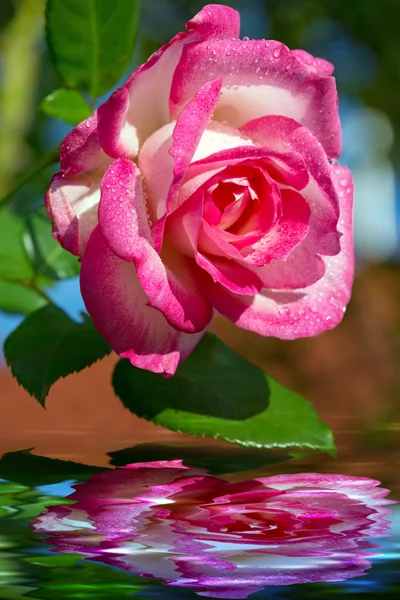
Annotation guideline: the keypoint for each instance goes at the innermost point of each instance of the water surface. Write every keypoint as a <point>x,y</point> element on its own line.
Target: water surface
<point>35,565</point>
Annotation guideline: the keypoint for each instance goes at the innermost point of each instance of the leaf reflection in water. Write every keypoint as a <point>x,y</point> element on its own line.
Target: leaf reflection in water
<point>224,540</point>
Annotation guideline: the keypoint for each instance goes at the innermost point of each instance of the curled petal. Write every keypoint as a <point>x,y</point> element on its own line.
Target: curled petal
<point>231,275</point>
<point>142,105</point>
<point>320,65</point>
<point>81,150</point>
<point>166,155</point>
<point>119,308</point>
<point>304,312</point>
<point>261,78</point>
<point>280,133</point>
<point>189,128</point>
<point>169,281</point>
<point>71,204</point>
<point>186,230</point>
<point>289,231</point>
<point>117,135</point>
<point>214,241</point>
<point>287,167</point>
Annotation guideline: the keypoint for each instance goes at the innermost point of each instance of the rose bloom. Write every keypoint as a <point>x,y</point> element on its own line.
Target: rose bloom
<point>208,182</point>
<point>224,540</point>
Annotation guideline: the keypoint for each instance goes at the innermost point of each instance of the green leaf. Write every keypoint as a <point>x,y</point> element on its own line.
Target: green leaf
<point>91,42</point>
<point>218,394</point>
<point>31,470</point>
<point>49,345</point>
<point>48,257</point>
<point>68,105</point>
<point>16,298</point>
<point>14,261</point>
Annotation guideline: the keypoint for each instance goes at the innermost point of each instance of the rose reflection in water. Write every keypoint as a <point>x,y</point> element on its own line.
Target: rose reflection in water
<point>224,540</point>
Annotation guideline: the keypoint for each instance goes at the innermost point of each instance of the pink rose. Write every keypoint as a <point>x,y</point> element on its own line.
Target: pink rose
<point>207,183</point>
<point>225,540</point>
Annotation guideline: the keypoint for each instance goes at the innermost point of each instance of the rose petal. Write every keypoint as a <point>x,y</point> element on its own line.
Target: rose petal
<point>260,78</point>
<point>129,483</point>
<point>281,133</point>
<point>356,488</point>
<point>222,243</point>
<point>309,311</point>
<point>321,66</point>
<point>286,167</point>
<point>118,306</point>
<point>189,128</point>
<point>300,269</point>
<point>288,232</point>
<point>169,282</point>
<point>231,275</point>
<point>81,150</point>
<point>166,155</point>
<point>71,204</point>
<point>141,107</point>
<point>183,230</point>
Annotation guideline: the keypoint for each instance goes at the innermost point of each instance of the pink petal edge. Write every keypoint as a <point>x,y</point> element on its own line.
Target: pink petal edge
<point>142,104</point>
<point>118,306</point>
<point>169,281</point>
<point>71,203</point>
<point>261,78</point>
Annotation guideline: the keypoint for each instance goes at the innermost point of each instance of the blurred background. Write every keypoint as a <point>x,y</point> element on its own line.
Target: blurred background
<point>351,374</point>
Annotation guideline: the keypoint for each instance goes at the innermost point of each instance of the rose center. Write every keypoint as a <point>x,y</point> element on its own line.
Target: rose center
<point>243,202</point>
